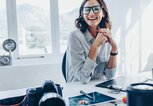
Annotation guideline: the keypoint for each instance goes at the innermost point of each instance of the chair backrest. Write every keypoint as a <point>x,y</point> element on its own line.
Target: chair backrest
<point>64,66</point>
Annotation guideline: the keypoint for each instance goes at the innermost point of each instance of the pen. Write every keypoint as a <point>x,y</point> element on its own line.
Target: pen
<point>82,92</point>
<point>115,87</point>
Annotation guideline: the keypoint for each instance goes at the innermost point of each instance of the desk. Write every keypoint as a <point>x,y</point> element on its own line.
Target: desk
<point>12,93</point>
<point>73,89</point>
<point>69,90</point>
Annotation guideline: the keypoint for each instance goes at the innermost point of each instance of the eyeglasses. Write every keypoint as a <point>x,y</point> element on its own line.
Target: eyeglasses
<point>95,9</point>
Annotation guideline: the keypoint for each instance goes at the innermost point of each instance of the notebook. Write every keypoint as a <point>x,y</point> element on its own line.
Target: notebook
<point>98,98</point>
<point>122,81</point>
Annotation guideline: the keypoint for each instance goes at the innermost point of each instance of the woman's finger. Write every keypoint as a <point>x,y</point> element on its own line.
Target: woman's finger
<point>105,31</point>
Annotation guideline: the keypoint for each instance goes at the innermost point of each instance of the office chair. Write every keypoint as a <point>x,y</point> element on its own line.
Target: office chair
<point>64,66</point>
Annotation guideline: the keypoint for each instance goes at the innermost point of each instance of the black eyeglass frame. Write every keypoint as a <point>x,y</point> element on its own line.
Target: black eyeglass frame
<point>101,7</point>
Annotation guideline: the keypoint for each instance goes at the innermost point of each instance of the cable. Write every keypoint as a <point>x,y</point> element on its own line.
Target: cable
<point>18,104</point>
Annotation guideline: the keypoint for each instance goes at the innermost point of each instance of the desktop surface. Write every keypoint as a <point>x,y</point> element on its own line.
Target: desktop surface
<point>72,90</point>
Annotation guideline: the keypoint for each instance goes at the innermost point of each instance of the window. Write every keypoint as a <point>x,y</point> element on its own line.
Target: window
<point>34,27</point>
<point>3,25</point>
<point>31,23</point>
<point>67,16</point>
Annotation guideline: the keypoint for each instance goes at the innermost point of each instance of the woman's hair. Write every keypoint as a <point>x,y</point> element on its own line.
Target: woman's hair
<point>105,22</point>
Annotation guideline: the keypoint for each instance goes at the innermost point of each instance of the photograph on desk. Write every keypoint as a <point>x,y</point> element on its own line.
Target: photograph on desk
<point>89,99</point>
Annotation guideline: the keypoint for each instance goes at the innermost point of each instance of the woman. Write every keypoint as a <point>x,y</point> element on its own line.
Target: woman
<point>92,52</point>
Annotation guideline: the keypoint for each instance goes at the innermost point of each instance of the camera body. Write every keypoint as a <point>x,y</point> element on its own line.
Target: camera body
<point>34,95</point>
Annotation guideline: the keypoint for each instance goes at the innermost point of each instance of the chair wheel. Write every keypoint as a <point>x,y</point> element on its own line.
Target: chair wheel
<point>9,45</point>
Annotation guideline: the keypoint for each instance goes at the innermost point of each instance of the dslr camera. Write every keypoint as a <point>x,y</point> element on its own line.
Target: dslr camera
<point>49,94</point>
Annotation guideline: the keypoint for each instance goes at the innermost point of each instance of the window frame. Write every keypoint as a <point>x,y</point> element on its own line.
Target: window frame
<point>54,57</point>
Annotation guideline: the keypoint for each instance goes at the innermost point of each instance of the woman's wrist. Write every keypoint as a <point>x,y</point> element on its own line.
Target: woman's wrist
<point>114,48</point>
<point>93,52</point>
<point>95,44</point>
<point>114,51</point>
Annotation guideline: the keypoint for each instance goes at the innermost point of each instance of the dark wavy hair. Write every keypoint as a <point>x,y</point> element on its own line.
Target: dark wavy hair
<point>105,22</point>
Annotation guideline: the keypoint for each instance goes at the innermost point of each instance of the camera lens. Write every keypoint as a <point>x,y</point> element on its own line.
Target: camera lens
<point>51,99</point>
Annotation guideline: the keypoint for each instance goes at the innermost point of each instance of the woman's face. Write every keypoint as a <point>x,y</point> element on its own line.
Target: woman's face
<point>92,13</point>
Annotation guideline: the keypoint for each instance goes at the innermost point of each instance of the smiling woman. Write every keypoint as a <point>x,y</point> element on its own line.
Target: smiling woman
<point>91,45</point>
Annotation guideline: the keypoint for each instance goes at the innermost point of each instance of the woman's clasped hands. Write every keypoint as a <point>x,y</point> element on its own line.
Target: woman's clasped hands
<point>104,35</point>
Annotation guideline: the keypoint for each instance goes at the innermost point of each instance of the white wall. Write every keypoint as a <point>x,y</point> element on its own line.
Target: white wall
<point>132,28</point>
<point>29,76</point>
